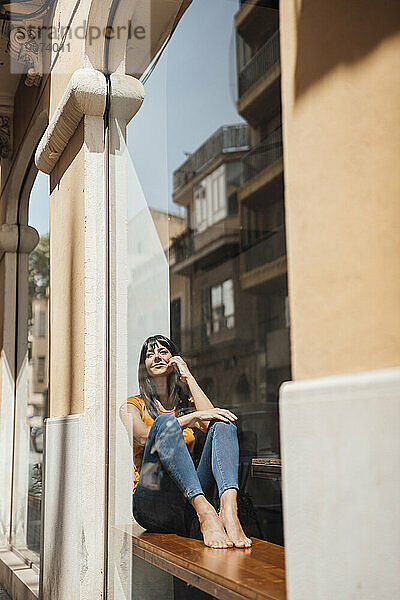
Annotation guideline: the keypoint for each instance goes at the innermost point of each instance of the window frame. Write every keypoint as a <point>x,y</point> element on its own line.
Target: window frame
<point>207,308</point>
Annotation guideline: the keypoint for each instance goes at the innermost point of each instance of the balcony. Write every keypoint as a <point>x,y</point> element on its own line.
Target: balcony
<point>265,261</point>
<point>255,17</point>
<point>266,250</point>
<point>259,93</point>
<point>196,341</point>
<point>227,139</point>
<point>217,243</point>
<point>262,166</point>
<point>182,247</point>
<point>260,64</point>
<point>263,155</point>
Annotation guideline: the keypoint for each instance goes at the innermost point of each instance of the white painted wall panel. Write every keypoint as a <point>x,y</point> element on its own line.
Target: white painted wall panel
<point>341,462</point>
<point>63,548</point>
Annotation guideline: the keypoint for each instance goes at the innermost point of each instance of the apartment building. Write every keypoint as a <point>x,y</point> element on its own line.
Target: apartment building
<point>263,269</point>
<point>39,355</point>
<point>235,328</point>
<point>222,334</point>
<point>207,255</point>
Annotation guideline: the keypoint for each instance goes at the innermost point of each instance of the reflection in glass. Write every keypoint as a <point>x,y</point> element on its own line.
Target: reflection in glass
<point>229,265</point>
<point>38,356</point>
<point>31,406</point>
<point>200,236</point>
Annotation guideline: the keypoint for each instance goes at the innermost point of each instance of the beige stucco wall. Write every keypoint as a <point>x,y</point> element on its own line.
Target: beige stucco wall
<point>67,281</point>
<point>341,120</point>
<point>67,240</point>
<point>68,205</point>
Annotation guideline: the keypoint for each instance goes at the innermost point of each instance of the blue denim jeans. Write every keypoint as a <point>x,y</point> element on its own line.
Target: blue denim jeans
<point>169,480</point>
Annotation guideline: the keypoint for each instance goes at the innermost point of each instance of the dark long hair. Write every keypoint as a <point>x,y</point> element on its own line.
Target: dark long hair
<point>177,389</point>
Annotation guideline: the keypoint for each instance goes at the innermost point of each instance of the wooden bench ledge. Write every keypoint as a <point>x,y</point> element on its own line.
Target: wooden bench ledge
<point>257,573</point>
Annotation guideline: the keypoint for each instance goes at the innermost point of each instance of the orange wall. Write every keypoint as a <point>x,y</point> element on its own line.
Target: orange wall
<point>341,120</point>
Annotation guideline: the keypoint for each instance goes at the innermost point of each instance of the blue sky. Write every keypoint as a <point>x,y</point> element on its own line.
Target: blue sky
<point>190,94</point>
<point>39,204</point>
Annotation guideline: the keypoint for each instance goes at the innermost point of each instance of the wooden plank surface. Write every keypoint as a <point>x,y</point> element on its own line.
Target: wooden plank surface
<point>257,573</point>
<point>277,462</point>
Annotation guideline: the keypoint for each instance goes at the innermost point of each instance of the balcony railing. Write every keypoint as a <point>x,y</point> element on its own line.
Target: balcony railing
<point>182,248</point>
<point>263,155</point>
<point>268,249</point>
<point>259,64</point>
<point>229,138</point>
<point>197,338</point>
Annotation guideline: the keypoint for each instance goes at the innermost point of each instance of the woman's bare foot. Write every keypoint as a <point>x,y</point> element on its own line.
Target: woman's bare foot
<point>211,526</point>
<point>230,519</point>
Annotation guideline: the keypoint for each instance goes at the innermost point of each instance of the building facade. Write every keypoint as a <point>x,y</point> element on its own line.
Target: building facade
<point>283,266</point>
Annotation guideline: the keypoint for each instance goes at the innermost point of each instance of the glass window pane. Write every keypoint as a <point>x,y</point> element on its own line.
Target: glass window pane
<point>216,296</point>
<point>212,272</point>
<point>221,191</point>
<point>215,199</point>
<point>33,376</point>
<point>227,288</point>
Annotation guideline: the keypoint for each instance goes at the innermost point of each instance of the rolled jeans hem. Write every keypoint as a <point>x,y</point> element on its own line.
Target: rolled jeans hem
<point>227,487</point>
<point>193,494</point>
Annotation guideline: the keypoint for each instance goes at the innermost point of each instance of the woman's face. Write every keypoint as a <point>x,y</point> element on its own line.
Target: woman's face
<point>157,359</point>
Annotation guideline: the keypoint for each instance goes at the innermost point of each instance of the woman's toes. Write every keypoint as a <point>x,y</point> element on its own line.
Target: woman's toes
<point>244,542</point>
<point>234,529</point>
<point>225,542</point>
<point>247,542</point>
<point>213,532</point>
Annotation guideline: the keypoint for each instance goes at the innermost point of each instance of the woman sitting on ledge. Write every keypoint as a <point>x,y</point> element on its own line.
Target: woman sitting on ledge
<point>169,492</point>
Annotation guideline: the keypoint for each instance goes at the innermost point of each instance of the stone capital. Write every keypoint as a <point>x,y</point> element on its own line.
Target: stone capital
<point>127,95</point>
<point>86,95</point>
<point>18,238</point>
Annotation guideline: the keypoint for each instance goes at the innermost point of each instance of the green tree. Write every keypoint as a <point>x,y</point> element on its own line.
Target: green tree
<point>39,268</point>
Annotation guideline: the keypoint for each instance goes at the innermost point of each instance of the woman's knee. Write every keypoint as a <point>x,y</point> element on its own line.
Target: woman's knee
<point>223,425</point>
<point>166,423</point>
<point>223,430</point>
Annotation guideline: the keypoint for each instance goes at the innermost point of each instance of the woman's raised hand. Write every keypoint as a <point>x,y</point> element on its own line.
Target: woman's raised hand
<point>205,411</point>
<point>182,367</point>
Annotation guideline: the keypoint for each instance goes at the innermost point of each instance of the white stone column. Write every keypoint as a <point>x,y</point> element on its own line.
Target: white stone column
<point>127,95</point>
<point>95,394</point>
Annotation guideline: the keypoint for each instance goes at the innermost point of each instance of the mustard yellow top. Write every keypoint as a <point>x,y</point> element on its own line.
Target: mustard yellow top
<point>137,401</point>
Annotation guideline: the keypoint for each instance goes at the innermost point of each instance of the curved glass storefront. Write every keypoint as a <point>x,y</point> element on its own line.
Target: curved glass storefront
<point>197,252</point>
